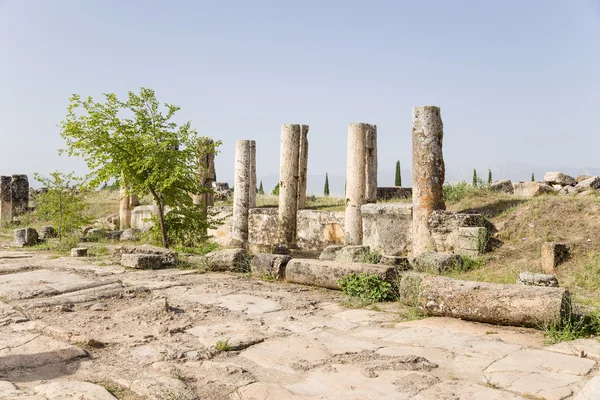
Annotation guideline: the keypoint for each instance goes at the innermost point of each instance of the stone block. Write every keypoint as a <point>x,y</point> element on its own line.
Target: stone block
<point>471,240</point>
<point>567,190</point>
<point>581,178</point>
<point>445,227</point>
<point>318,229</point>
<point>352,253</point>
<point>142,261</point>
<point>553,254</point>
<point>19,187</point>
<point>393,192</point>
<point>129,235</point>
<point>140,217</point>
<point>262,229</point>
<point>330,251</point>
<point>504,186</point>
<point>47,232</point>
<point>437,263</point>
<point>531,189</point>
<point>533,279</point>
<point>587,184</point>
<point>79,252</point>
<point>401,263</point>
<point>558,178</point>
<point>25,237</point>
<point>271,265</point>
<point>222,233</point>
<point>169,256</point>
<point>387,228</point>
<point>234,260</point>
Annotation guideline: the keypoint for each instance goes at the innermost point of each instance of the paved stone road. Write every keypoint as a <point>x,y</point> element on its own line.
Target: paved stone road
<point>84,329</point>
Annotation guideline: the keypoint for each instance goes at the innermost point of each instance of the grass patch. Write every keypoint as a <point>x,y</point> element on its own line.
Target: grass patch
<point>371,257</point>
<point>203,249</point>
<point>589,276</point>
<point>367,289</point>
<point>223,345</point>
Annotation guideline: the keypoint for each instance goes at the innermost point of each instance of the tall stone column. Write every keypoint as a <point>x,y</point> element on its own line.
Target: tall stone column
<point>241,192</point>
<point>206,175</point>
<point>428,173</point>
<point>356,180</point>
<point>302,166</point>
<point>288,182</point>
<point>19,187</point>
<point>124,210</point>
<point>371,166</point>
<point>253,187</point>
<point>5,201</point>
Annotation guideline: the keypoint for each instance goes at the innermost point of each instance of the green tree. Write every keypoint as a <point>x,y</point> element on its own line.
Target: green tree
<point>489,176</point>
<point>398,178</point>
<point>532,177</point>
<point>475,179</point>
<point>134,140</point>
<point>261,190</point>
<point>326,188</point>
<point>63,204</point>
<point>276,190</point>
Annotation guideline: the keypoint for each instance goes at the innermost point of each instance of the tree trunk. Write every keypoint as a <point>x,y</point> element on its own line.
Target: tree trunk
<point>161,217</point>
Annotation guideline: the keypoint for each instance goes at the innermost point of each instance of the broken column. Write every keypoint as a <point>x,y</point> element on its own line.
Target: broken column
<point>5,201</point>
<point>357,168</point>
<point>371,166</point>
<point>253,187</point>
<point>19,187</point>
<point>302,166</point>
<point>288,182</point>
<point>241,192</point>
<point>124,210</point>
<point>206,174</point>
<point>428,173</point>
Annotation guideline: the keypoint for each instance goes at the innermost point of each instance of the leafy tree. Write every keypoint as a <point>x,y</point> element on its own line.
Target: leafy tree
<point>261,190</point>
<point>135,141</point>
<point>326,188</point>
<point>532,177</point>
<point>489,177</point>
<point>276,190</point>
<point>398,178</point>
<point>475,179</point>
<point>63,203</point>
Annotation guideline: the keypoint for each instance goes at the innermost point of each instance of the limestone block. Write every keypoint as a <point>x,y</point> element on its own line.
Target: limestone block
<point>142,261</point>
<point>272,265</point>
<point>553,254</point>
<point>47,232</point>
<point>445,225</point>
<point>352,253</point>
<point>25,237</point>
<point>558,178</point>
<point>222,233</point>
<point>590,183</point>
<point>533,279</point>
<point>438,263</point>
<point>140,217</point>
<point>330,251</point>
<point>531,189</point>
<point>79,252</point>
<point>234,260</point>
<point>318,229</point>
<point>472,240</point>
<point>169,257</point>
<point>504,186</point>
<point>582,178</point>
<point>129,235</point>
<point>263,225</point>
<point>568,190</point>
<point>387,228</point>
<point>19,186</point>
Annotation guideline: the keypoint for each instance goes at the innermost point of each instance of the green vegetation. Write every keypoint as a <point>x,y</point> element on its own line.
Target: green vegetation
<point>475,178</point>
<point>367,288</point>
<point>371,257</point>
<point>135,142</point>
<point>457,191</point>
<point>223,345</point>
<point>398,177</point>
<point>326,188</point>
<point>275,191</point>
<point>261,189</point>
<point>575,327</point>
<point>532,177</point>
<point>489,181</point>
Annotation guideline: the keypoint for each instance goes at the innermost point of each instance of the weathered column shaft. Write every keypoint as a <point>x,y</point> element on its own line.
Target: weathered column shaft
<point>428,173</point>
<point>356,181</point>
<point>19,187</point>
<point>241,192</point>
<point>371,166</point>
<point>124,210</point>
<point>288,182</point>
<point>206,174</point>
<point>253,187</point>
<point>302,166</point>
<point>210,179</point>
<point>5,201</point>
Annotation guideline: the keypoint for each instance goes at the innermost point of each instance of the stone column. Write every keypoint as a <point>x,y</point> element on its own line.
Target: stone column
<point>253,187</point>
<point>288,182</point>
<point>19,187</point>
<point>428,173</point>
<point>356,171</point>
<point>211,178</point>
<point>206,175</point>
<point>5,201</point>
<point>124,210</point>
<point>371,166</point>
<point>302,166</point>
<point>241,192</point>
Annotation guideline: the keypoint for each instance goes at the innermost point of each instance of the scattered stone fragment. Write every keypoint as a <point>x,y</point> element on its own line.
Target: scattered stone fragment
<point>234,260</point>
<point>99,307</point>
<point>582,178</point>
<point>587,184</point>
<point>169,256</point>
<point>25,237</point>
<point>47,232</point>
<point>64,389</point>
<point>504,186</point>
<point>281,248</point>
<point>567,190</point>
<point>330,251</point>
<point>142,261</point>
<point>129,235</point>
<point>531,189</point>
<point>558,178</point>
<point>436,262</point>
<point>79,252</point>
<point>352,253</point>
<point>553,254</point>
<point>270,265</point>
<point>533,279</point>
<point>587,193</point>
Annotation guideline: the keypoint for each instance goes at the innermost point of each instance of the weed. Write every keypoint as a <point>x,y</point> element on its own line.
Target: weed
<point>178,374</point>
<point>458,191</point>
<point>589,278</point>
<point>367,288</point>
<point>64,245</point>
<point>371,257</point>
<point>267,277</point>
<point>97,251</point>
<point>223,345</point>
<point>575,327</point>
<point>488,382</point>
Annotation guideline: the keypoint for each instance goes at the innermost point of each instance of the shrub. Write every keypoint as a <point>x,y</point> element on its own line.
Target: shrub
<point>367,288</point>
<point>371,257</point>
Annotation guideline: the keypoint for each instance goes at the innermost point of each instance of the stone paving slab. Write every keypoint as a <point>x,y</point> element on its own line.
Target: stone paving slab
<point>59,390</point>
<point>236,335</point>
<point>43,282</point>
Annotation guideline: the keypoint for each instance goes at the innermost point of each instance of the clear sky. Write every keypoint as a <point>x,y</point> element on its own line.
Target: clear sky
<point>517,81</point>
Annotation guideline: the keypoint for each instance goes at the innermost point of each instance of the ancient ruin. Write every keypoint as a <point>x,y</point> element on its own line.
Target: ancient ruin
<point>243,194</point>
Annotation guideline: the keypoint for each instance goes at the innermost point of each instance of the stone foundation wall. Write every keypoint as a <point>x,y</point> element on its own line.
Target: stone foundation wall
<point>262,229</point>
<point>319,229</point>
<point>387,228</point>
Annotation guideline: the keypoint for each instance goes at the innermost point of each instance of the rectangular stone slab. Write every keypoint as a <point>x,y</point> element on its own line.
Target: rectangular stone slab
<point>41,282</point>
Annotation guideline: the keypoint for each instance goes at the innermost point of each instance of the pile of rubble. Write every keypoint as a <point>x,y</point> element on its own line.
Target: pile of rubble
<point>554,182</point>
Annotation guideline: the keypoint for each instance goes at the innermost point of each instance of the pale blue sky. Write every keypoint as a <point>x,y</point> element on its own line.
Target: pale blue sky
<point>517,81</point>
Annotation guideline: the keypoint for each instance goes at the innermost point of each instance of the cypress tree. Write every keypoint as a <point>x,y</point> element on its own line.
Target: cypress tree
<point>474,177</point>
<point>532,177</point>
<point>276,190</point>
<point>489,176</point>
<point>398,180</point>
<point>326,188</point>
<point>261,190</point>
